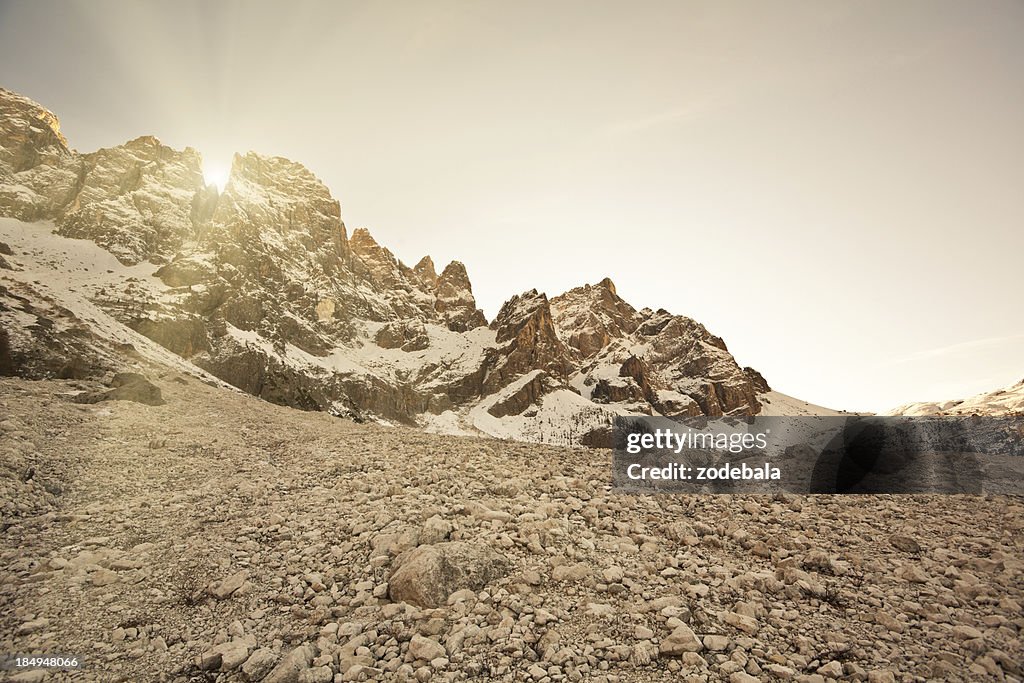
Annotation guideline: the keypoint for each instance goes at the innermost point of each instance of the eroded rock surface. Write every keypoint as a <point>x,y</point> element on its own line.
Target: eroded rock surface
<point>262,286</point>
<point>427,575</point>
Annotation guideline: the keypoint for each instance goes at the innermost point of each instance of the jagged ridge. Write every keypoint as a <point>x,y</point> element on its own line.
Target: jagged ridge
<point>262,286</point>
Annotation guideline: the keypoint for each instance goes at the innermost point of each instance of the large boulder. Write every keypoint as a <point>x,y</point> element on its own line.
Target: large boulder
<point>294,663</point>
<point>427,575</point>
<point>680,641</point>
<point>126,386</point>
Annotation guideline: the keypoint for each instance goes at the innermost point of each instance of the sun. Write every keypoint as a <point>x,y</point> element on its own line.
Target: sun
<point>216,174</point>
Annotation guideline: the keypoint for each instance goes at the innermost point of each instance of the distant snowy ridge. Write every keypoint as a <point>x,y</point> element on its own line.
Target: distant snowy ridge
<point>1008,401</point>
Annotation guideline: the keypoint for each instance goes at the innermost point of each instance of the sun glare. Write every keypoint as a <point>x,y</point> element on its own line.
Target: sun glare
<point>216,174</point>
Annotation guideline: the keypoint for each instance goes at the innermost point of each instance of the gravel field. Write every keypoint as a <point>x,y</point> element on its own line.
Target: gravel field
<point>217,537</point>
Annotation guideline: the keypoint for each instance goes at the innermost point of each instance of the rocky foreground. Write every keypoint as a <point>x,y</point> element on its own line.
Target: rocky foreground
<point>215,537</point>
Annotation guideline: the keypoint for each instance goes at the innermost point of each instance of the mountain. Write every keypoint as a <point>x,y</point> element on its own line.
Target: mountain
<point>1008,401</point>
<point>125,252</point>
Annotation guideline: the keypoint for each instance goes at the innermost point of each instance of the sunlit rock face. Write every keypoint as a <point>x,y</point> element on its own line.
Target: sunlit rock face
<point>136,200</point>
<point>38,174</point>
<point>454,299</point>
<point>262,285</point>
<point>668,361</point>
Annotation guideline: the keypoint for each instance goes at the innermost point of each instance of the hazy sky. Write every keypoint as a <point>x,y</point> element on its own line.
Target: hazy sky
<point>836,188</point>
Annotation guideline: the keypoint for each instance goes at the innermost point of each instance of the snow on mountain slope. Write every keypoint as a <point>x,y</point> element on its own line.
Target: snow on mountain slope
<point>560,416</point>
<point>776,403</point>
<point>262,286</point>
<point>50,282</point>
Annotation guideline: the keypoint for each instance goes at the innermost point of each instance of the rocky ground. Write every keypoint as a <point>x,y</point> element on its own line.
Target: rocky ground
<point>216,537</point>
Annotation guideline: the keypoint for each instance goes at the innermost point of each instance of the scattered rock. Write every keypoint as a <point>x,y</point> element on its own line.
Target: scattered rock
<point>680,641</point>
<point>259,664</point>
<point>222,590</point>
<point>425,648</point>
<point>289,668</point>
<point>427,575</point>
<point>905,544</point>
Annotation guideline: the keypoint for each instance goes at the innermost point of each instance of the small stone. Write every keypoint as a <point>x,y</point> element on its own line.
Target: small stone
<point>435,530</point>
<point>103,577</point>
<point>295,662</point>
<point>359,672</point>
<point>904,543</point>
<point>233,653</point>
<point>741,622</point>
<point>643,653</point>
<point>832,669</point>
<point>613,575</point>
<point>600,609</point>
<point>881,676</point>
<point>965,632</point>
<point>912,574</point>
<point>780,671</point>
<point>319,674</point>
<point>716,643</point>
<point>425,648</point>
<point>223,589</point>
<point>742,677</point>
<point>33,626</point>
<point>643,633</point>
<point>681,640</point>
<point>209,660</point>
<point>888,622</point>
<point>259,664</point>
<point>576,572</point>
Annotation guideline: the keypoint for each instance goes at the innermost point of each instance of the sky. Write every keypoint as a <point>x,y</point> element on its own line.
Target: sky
<point>835,188</point>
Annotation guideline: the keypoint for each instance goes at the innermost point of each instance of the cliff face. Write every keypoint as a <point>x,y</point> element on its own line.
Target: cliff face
<point>262,286</point>
<point>660,362</point>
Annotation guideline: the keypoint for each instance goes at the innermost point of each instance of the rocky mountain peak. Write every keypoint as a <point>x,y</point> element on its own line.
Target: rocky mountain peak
<point>136,200</point>
<point>261,286</point>
<point>28,129</point>
<point>426,272</point>
<point>37,170</point>
<point>363,243</point>
<point>607,283</point>
<point>283,207</point>
<point>518,311</point>
<point>152,142</point>
<point>589,317</point>
<point>455,301</point>
<point>275,172</point>
<point>382,266</point>
<point>526,329</point>
<point>455,273</point>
